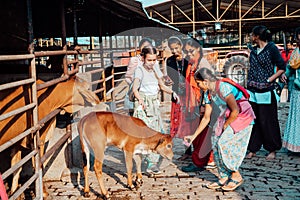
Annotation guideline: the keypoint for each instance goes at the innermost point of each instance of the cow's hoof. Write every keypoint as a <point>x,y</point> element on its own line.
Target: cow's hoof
<point>104,197</point>
<point>131,187</point>
<point>86,194</point>
<point>139,182</point>
<point>45,194</point>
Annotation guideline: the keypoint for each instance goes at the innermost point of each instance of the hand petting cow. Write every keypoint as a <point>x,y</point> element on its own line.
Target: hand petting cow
<point>97,130</point>
<point>70,96</point>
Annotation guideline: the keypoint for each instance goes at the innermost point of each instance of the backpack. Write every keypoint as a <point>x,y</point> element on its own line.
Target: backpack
<point>238,86</point>
<point>130,90</point>
<point>246,115</point>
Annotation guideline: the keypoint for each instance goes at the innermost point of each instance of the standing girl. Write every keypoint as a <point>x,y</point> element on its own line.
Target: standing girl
<point>264,57</point>
<point>146,86</point>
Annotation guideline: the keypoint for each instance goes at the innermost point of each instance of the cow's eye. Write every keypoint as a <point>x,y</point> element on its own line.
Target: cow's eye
<point>169,146</point>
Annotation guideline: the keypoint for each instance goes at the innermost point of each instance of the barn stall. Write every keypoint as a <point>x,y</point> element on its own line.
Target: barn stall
<point>41,40</point>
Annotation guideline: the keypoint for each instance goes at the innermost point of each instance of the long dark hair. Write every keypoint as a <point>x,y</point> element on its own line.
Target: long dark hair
<point>205,73</point>
<point>148,50</point>
<point>145,39</point>
<point>195,43</point>
<point>263,32</point>
<point>174,40</point>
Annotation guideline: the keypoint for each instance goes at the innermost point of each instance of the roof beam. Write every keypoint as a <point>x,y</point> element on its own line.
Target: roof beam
<point>163,17</point>
<point>251,8</point>
<point>273,10</point>
<point>207,10</point>
<point>183,13</point>
<point>226,9</point>
<point>293,12</point>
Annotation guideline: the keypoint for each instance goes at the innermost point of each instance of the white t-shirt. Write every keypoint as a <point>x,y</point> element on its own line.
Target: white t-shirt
<point>149,82</point>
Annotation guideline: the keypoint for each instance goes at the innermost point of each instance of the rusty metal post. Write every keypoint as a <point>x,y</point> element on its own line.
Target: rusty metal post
<point>63,38</point>
<point>32,69</point>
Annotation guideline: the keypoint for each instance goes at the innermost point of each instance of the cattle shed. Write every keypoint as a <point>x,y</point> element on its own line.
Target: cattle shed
<point>35,44</point>
<point>24,21</point>
<point>228,18</point>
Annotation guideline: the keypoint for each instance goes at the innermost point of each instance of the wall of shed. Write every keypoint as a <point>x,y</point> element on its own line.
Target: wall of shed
<point>13,26</point>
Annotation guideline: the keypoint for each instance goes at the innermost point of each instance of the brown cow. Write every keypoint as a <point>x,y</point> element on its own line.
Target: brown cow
<point>70,95</point>
<point>100,129</point>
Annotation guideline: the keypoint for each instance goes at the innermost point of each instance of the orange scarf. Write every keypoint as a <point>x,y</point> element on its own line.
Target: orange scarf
<point>192,90</point>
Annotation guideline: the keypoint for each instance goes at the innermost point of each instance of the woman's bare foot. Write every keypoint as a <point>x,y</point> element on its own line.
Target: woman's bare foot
<point>271,156</point>
<point>250,155</point>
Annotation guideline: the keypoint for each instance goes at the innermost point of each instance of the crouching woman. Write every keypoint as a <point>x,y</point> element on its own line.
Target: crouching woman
<point>230,118</point>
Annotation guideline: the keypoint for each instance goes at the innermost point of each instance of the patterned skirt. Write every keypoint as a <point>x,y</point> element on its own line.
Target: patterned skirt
<point>230,149</point>
<point>291,137</point>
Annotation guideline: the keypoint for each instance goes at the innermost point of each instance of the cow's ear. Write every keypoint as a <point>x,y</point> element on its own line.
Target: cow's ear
<point>82,83</point>
<point>161,141</point>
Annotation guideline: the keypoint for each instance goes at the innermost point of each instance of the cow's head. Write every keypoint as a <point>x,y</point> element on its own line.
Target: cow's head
<point>164,147</point>
<point>81,96</point>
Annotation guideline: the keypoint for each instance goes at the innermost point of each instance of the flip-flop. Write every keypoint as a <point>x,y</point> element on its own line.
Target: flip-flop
<point>215,185</point>
<point>231,188</point>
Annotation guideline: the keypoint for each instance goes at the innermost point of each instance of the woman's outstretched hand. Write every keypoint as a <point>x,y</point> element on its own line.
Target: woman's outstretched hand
<point>187,140</point>
<point>283,78</point>
<point>176,97</point>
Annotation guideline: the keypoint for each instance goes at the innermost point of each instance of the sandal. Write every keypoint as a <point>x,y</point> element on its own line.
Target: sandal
<point>233,186</point>
<point>215,185</point>
<point>210,166</point>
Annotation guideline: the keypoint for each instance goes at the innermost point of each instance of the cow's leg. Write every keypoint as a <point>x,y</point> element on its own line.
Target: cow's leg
<point>86,166</point>
<point>138,162</point>
<point>16,157</point>
<point>128,160</point>
<point>99,173</point>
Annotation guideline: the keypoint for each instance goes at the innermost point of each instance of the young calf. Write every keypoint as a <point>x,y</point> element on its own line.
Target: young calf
<point>100,129</point>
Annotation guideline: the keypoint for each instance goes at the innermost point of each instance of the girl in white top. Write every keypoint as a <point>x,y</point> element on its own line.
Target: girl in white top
<point>146,86</point>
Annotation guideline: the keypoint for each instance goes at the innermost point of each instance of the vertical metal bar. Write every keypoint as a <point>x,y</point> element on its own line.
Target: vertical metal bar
<point>69,146</point>
<point>101,40</point>
<point>262,9</point>
<point>92,43</point>
<point>240,24</point>
<point>32,71</point>
<point>129,42</point>
<point>63,32</point>
<point>172,13</point>
<point>194,28</point>
<point>104,85</point>
<point>110,48</point>
<point>101,51</point>
<point>75,24</point>
<point>286,8</point>
<point>116,41</point>
<point>218,10</point>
